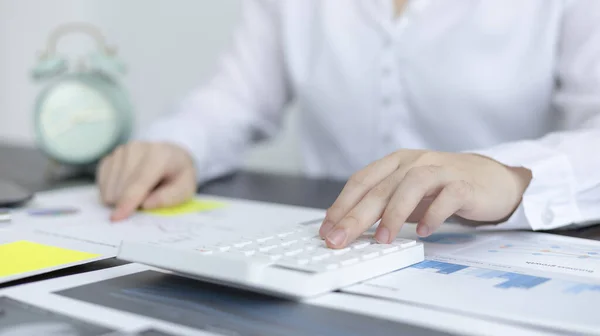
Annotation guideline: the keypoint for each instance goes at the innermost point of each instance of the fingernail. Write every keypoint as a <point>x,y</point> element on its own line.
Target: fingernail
<point>423,230</point>
<point>382,235</point>
<point>337,237</point>
<point>326,228</point>
<point>114,217</point>
<point>118,214</point>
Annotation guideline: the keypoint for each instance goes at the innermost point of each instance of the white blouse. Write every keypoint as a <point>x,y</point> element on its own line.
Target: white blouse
<point>516,80</point>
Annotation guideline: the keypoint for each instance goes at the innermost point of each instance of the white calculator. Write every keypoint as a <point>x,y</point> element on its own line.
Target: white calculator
<point>294,263</point>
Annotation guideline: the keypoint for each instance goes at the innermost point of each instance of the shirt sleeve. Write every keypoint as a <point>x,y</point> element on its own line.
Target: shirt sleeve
<point>242,102</point>
<point>565,190</point>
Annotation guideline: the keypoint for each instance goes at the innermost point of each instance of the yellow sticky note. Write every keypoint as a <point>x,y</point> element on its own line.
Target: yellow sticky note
<point>25,256</point>
<point>191,206</point>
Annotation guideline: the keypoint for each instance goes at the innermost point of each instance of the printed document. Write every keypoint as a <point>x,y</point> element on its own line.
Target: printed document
<point>206,219</point>
<point>531,278</point>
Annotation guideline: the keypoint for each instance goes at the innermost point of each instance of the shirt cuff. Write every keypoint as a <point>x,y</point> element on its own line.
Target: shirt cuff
<point>549,201</point>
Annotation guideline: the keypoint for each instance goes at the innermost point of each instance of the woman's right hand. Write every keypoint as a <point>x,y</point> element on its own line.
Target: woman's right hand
<point>145,175</point>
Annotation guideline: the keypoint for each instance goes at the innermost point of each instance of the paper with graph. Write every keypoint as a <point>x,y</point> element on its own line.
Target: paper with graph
<point>492,274</point>
<point>203,220</point>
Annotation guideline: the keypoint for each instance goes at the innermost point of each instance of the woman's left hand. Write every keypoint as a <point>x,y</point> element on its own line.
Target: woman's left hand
<point>425,187</point>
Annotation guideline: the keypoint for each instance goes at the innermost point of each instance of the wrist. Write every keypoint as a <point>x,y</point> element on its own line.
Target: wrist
<point>523,177</point>
<point>182,154</point>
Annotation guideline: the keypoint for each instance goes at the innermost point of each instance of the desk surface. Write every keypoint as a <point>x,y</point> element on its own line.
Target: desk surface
<point>27,167</point>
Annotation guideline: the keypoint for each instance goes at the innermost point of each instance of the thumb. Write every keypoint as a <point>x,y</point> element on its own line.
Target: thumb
<point>172,192</point>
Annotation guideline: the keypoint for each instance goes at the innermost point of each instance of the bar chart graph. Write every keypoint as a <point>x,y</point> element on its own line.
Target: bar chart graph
<point>508,279</point>
<point>525,277</point>
<point>494,291</point>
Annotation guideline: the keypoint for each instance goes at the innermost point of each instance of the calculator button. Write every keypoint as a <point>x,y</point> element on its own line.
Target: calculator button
<point>222,247</point>
<point>293,252</point>
<point>349,261</point>
<point>341,251</point>
<point>289,242</point>
<point>370,255</point>
<point>404,243</point>
<point>320,256</point>
<point>248,249</point>
<point>242,243</point>
<point>382,248</point>
<point>264,239</point>
<point>359,244</point>
<point>274,257</point>
<point>285,234</point>
<point>301,260</point>
<point>204,251</point>
<point>241,253</point>
<point>267,248</point>
<point>276,251</point>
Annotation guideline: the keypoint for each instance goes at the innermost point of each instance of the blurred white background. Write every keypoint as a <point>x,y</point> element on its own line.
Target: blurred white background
<point>170,46</point>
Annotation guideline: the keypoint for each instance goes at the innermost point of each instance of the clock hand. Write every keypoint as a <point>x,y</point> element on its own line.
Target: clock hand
<point>83,117</point>
<point>58,131</point>
<point>90,115</point>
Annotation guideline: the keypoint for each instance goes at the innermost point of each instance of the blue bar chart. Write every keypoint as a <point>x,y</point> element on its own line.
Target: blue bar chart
<point>503,279</point>
<point>499,291</point>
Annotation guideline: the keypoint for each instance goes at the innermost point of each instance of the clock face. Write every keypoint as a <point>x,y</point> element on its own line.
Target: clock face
<point>76,122</point>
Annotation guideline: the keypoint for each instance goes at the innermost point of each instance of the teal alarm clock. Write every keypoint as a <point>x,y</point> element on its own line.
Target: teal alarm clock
<point>84,112</point>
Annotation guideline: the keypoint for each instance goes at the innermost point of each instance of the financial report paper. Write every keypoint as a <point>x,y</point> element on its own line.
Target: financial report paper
<point>91,223</point>
<point>524,277</point>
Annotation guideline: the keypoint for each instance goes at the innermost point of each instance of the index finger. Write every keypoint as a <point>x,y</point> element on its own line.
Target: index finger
<point>139,187</point>
<point>357,187</point>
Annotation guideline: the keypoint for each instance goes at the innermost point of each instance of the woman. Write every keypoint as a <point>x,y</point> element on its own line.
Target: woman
<point>487,111</point>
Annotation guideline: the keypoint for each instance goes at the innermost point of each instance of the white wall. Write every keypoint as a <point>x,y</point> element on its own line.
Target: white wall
<point>169,46</point>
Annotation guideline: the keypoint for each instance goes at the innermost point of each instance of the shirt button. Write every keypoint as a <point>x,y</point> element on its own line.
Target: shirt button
<point>548,216</point>
<point>386,101</point>
<point>387,42</point>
